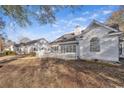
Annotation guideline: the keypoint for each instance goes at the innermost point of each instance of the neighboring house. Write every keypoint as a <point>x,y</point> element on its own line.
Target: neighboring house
<point>97,42</point>
<point>35,46</point>
<point>9,45</point>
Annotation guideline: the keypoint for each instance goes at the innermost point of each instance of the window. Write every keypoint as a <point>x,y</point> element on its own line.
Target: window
<point>94,45</point>
<point>55,49</point>
<point>74,48</point>
<point>62,49</point>
<point>67,48</point>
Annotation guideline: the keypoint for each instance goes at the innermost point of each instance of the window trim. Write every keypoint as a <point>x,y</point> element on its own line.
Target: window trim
<point>94,44</point>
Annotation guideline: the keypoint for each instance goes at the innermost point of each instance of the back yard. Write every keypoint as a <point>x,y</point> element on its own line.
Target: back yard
<point>33,72</point>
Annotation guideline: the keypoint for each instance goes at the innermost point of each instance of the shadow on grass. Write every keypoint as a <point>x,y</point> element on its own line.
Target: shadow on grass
<point>10,59</point>
<point>61,73</point>
<point>111,76</point>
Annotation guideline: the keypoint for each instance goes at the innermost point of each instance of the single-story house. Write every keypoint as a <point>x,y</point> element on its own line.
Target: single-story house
<point>97,42</point>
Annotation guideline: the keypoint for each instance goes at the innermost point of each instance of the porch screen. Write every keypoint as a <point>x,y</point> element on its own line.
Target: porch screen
<point>68,48</point>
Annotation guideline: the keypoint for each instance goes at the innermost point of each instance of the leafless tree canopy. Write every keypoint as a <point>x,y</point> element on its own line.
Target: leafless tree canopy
<point>117,17</point>
<point>22,15</point>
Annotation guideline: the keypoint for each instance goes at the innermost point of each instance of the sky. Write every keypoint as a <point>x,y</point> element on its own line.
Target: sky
<point>65,23</point>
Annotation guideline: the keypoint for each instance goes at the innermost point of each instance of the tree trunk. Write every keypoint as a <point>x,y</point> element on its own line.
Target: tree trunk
<point>1,45</point>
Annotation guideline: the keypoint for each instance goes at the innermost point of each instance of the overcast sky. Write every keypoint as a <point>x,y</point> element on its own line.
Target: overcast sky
<point>65,23</point>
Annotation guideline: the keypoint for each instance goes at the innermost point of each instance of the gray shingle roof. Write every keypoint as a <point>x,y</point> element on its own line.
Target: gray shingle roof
<point>30,42</point>
<point>65,38</point>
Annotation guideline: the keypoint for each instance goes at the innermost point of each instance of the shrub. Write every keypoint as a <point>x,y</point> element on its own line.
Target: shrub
<point>1,54</point>
<point>32,54</point>
<point>9,53</point>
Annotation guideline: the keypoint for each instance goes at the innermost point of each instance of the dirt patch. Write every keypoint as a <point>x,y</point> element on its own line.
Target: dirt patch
<point>35,72</point>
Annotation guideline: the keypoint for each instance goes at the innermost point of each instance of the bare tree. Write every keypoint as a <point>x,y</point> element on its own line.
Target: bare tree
<point>42,14</point>
<point>2,25</point>
<point>117,17</point>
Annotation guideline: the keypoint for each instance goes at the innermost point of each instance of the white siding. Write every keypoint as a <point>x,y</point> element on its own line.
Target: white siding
<point>108,45</point>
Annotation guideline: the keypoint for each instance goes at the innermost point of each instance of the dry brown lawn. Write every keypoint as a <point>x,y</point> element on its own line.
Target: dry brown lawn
<point>6,57</point>
<point>33,72</point>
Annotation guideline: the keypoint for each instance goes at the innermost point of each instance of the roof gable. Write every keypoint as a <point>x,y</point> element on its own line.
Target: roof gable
<point>99,24</point>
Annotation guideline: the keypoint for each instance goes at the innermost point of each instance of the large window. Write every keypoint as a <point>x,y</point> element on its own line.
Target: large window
<point>62,49</point>
<point>95,44</point>
<point>68,48</point>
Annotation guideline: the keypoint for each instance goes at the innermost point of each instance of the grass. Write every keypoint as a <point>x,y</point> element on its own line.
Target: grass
<point>33,72</point>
